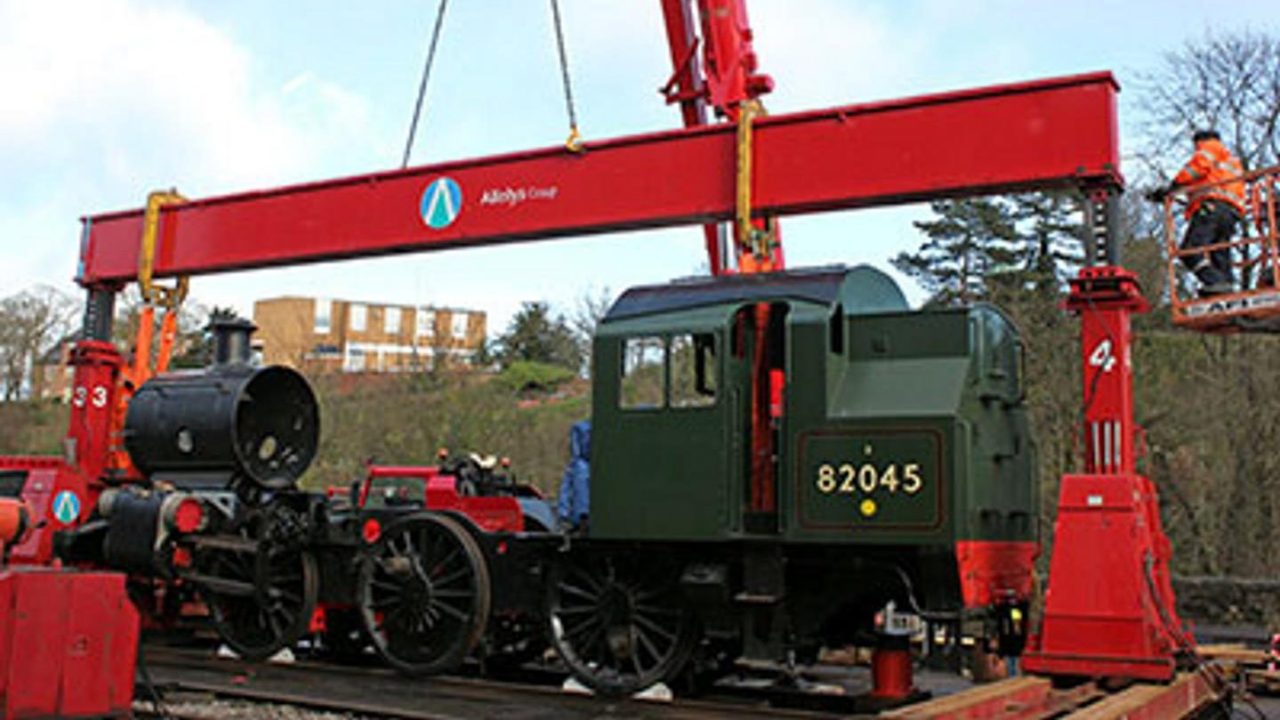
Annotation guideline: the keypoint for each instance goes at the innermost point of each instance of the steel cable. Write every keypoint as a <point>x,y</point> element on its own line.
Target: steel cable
<point>574,141</point>
<point>422,86</point>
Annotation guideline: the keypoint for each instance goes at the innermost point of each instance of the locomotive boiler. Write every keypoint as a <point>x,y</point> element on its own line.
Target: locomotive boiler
<point>776,458</point>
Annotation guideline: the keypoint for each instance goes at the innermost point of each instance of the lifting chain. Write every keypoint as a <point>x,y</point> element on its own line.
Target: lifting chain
<point>756,245</point>
<point>422,86</point>
<point>574,142</point>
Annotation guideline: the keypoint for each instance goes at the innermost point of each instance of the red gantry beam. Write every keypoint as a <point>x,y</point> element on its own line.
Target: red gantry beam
<point>1005,138</point>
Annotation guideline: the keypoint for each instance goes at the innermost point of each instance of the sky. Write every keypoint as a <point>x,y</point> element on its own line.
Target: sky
<point>102,101</point>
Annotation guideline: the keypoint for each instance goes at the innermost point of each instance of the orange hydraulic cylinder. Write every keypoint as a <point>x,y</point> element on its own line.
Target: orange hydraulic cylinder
<point>15,519</point>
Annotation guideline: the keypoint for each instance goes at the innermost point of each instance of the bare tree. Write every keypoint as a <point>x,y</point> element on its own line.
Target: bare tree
<point>1209,404</point>
<point>589,310</point>
<point>1226,81</point>
<point>32,323</point>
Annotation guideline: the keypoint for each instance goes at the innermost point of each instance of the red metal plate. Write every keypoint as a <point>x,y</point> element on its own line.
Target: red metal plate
<point>68,646</point>
<point>1003,138</point>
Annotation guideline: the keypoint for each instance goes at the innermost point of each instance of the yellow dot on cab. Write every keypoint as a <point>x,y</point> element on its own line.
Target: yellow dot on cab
<point>868,507</point>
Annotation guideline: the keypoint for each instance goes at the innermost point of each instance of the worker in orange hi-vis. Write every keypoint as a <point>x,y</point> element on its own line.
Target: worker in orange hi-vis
<point>1215,207</point>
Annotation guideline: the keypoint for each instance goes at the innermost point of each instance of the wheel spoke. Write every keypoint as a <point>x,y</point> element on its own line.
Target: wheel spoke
<point>465,571</point>
<point>390,618</point>
<point>439,567</point>
<point>565,587</point>
<point>648,645</point>
<point>592,641</point>
<point>393,548</point>
<point>654,610</point>
<point>454,612</point>
<point>386,585</point>
<point>277,593</point>
<point>589,579</point>
<point>645,622</point>
<point>579,628</point>
<point>576,610</point>
<point>277,630</point>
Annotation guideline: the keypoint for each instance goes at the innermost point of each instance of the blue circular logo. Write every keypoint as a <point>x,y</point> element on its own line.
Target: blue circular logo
<point>441,203</point>
<point>66,507</point>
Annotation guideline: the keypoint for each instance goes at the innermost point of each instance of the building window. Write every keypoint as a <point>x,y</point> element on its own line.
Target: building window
<point>391,320</point>
<point>325,352</point>
<point>643,383</point>
<point>424,323</point>
<point>358,317</point>
<point>354,360</point>
<point>460,325</point>
<point>324,316</point>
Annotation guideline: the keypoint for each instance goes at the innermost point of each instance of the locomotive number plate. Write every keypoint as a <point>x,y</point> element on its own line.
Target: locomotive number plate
<point>870,479</point>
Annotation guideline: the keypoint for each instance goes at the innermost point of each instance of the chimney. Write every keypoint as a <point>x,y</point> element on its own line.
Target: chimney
<point>231,341</point>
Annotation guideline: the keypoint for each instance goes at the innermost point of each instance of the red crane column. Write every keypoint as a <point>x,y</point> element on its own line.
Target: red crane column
<point>723,76</point>
<point>1109,608</point>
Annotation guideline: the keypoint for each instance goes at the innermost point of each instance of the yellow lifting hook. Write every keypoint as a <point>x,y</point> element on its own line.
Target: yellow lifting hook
<point>759,243</point>
<point>167,297</point>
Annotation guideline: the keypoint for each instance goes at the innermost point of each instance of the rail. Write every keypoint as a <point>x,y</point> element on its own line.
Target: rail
<point>377,692</point>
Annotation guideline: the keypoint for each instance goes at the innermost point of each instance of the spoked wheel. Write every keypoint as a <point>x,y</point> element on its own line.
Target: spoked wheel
<point>424,593</point>
<point>620,624</point>
<point>260,587</point>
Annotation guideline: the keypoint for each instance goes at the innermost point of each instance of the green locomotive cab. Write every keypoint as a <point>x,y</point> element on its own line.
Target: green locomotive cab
<point>776,457</point>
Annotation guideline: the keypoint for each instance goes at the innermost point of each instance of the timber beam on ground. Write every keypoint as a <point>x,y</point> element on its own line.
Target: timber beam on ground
<point>1025,698</point>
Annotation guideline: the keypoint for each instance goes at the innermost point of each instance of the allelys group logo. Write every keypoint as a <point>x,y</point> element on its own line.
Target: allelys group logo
<point>441,203</point>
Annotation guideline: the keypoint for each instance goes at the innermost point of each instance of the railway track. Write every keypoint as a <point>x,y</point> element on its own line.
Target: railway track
<point>377,692</point>
<point>374,692</point>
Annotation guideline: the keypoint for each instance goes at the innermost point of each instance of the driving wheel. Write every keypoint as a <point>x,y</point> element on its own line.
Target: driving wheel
<point>423,592</point>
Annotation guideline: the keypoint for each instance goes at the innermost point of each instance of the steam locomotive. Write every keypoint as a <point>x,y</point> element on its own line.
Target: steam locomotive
<point>404,563</point>
<point>777,459</point>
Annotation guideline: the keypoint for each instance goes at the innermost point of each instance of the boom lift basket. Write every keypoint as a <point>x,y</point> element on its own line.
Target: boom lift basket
<point>1256,306</point>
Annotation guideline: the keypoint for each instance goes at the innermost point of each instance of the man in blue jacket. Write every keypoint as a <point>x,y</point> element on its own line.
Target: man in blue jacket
<point>575,493</point>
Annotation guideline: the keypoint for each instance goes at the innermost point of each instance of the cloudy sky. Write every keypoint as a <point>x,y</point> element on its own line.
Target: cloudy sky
<point>104,100</point>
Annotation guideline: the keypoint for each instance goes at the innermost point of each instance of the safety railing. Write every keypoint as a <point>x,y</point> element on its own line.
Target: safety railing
<point>1255,305</point>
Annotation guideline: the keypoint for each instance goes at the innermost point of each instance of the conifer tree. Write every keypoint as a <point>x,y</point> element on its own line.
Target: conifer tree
<point>969,240</point>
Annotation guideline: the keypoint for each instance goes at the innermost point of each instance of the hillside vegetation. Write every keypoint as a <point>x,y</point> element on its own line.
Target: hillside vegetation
<point>405,420</point>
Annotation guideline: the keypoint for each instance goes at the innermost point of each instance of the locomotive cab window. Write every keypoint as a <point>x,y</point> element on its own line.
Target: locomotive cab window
<point>644,379</point>
<point>693,370</point>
